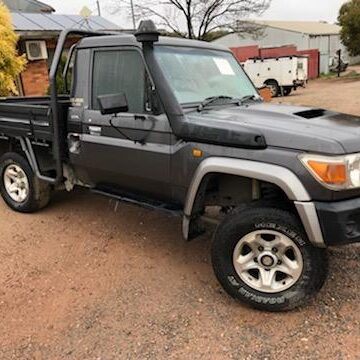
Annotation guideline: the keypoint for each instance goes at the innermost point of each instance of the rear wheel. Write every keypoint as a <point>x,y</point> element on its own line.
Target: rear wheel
<point>20,188</point>
<point>286,90</point>
<point>274,87</point>
<point>261,256</point>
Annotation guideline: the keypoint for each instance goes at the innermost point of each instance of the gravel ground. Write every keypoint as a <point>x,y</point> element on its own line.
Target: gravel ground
<point>337,94</point>
<point>86,279</point>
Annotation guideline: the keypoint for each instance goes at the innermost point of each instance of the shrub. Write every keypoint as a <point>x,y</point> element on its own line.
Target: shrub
<point>11,64</point>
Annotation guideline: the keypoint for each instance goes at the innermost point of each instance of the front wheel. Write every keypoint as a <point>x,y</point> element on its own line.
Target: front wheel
<point>20,188</point>
<point>261,256</point>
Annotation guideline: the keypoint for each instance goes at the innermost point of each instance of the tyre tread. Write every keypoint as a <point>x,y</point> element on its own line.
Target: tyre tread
<point>307,287</point>
<point>40,191</point>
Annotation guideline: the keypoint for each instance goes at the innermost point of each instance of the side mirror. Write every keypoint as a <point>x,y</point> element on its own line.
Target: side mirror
<point>113,103</point>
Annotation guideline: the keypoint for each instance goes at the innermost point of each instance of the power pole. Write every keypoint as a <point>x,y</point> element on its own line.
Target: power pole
<point>339,62</point>
<point>133,14</point>
<point>98,7</point>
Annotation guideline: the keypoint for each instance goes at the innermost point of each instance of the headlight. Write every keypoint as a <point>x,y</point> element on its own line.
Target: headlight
<point>334,172</point>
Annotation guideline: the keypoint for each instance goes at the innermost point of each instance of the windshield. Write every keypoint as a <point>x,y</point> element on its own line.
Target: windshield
<point>198,74</point>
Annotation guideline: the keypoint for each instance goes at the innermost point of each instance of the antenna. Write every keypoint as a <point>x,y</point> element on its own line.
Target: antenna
<point>98,7</point>
<point>133,13</point>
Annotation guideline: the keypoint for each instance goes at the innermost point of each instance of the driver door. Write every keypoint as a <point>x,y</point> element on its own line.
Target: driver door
<point>127,152</point>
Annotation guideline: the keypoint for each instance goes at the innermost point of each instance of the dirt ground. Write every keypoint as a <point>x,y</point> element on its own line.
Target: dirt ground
<point>86,279</point>
<point>337,94</point>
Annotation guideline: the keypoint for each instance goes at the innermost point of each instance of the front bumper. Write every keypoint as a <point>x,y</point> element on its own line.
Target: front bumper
<point>339,221</point>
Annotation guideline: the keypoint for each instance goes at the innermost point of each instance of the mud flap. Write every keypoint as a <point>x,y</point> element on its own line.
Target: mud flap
<point>192,228</point>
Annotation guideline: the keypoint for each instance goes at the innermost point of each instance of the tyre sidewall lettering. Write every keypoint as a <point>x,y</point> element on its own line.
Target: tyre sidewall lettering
<point>276,227</point>
<point>245,221</point>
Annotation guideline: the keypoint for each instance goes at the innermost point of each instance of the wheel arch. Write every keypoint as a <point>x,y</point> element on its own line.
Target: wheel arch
<point>281,177</point>
<point>271,80</point>
<point>285,179</point>
<point>9,144</point>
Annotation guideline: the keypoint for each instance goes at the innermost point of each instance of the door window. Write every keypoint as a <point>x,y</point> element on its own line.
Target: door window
<point>119,71</point>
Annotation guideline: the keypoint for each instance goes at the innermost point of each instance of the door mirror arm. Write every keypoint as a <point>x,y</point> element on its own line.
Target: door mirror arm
<point>113,103</point>
<point>141,141</point>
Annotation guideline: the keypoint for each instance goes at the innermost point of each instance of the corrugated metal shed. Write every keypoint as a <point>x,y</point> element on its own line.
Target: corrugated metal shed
<point>50,22</point>
<point>28,6</point>
<point>304,35</point>
<point>303,27</point>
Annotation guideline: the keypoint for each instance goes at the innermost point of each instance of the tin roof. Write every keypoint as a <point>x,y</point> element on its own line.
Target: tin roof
<point>304,27</point>
<point>31,6</point>
<point>52,22</point>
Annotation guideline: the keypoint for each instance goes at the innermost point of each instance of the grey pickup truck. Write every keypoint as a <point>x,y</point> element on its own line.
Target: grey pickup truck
<point>176,125</point>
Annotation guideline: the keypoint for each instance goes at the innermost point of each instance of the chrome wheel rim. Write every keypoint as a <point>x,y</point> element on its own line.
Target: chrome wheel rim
<point>273,90</point>
<point>268,261</point>
<point>16,183</point>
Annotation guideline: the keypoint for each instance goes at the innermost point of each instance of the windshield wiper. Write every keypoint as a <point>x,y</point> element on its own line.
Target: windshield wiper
<point>212,99</point>
<point>247,98</point>
<point>232,100</point>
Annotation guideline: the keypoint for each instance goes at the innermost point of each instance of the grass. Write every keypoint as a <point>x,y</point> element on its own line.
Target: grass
<point>327,76</point>
<point>350,75</point>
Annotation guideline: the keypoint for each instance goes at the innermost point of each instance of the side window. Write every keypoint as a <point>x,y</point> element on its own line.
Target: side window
<point>119,71</point>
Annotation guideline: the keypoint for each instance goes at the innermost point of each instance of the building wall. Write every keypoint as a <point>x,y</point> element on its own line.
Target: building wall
<point>354,60</point>
<point>269,37</point>
<point>35,78</point>
<point>272,37</point>
<point>328,45</point>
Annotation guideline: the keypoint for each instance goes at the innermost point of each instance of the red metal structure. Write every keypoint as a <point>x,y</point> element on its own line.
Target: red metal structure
<point>314,62</point>
<point>244,53</point>
<point>274,52</point>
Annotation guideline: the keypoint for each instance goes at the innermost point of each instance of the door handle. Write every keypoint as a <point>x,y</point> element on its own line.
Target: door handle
<point>95,130</point>
<point>74,143</point>
<point>74,137</point>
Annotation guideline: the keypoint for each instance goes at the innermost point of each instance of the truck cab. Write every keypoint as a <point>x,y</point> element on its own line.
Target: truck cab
<point>144,140</point>
<point>176,125</point>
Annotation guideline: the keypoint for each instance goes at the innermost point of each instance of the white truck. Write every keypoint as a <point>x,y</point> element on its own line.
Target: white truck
<point>281,75</point>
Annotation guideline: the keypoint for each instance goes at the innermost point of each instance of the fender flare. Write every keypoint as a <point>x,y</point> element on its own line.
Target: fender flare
<point>275,174</point>
<point>278,175</point>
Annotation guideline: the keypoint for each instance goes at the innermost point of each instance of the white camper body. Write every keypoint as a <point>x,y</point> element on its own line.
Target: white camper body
<point>281,74</point>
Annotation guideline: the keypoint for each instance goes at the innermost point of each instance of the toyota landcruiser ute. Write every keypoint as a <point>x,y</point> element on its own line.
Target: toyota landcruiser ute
<point>177,126</point>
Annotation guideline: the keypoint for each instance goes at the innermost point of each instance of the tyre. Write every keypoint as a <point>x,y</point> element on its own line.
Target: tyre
<point>286,91</point>
<point>274,87</point>
<point>20,188</point>
<point>262,257</point>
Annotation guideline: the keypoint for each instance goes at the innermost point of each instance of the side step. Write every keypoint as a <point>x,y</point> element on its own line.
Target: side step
<point>143,202</point>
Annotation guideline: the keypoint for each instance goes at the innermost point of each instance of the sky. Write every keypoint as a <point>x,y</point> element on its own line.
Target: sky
<point>316,10</point>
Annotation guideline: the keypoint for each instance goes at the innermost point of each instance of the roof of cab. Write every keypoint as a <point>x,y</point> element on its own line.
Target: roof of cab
<point>113,40</point>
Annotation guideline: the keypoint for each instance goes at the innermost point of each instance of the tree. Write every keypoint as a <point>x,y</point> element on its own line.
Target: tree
<point>61,82</point>
<point>349,20</point>
<point>196,19</point>
<point>11,64</point>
